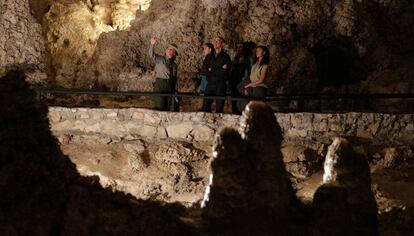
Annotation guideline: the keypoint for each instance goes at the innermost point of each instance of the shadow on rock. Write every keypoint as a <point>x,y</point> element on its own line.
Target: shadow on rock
<point>43,194</point>
<point>345,203</point>
<point>250,192</point>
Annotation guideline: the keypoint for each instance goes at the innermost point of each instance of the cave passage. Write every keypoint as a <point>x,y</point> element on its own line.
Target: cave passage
<point>335,62</point>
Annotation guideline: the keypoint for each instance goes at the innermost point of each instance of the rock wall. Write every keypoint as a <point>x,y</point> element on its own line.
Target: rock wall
<point>360,39</point>
<point>359,128</point>
<point>103,44</point>
<point>72,29</point>
<point>21,41</point>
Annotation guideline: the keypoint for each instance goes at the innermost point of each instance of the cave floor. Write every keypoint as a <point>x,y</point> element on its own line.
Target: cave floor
<point>177,171</point>
<point>164,171</point>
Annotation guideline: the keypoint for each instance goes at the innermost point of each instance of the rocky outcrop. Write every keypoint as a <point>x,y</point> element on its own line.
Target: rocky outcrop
<point>249,189</point>
<point>21,41</point>
<point>313,44</point>
<point>346,196</point>
<point>343,46</point>
<point>245,166</point>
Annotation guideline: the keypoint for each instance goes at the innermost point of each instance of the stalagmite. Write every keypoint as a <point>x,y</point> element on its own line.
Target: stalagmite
<point>346,193</point>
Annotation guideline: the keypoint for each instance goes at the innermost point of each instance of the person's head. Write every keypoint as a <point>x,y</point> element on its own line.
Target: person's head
<point>240,48</point>
<point>262,55</point>
<point>249,47</point>
<point>171,51</point>
<point>218,43</point>
<point>207,48</point>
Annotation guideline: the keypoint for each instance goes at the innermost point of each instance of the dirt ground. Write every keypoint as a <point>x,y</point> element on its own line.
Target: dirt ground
<point>165,171</point>
<point>174,171</point>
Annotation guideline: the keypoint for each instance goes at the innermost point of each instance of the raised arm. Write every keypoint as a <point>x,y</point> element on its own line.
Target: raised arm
<point>156,57</point>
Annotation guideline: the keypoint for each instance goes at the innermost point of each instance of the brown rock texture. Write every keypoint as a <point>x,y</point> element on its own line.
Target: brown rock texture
<point>162,171</point>
<point>43,194</point>
<point>249,189</point>
<point>21,41</point>
<point>250,192</point>
<point>331,46</point>
<point>313,44</point>
<point>72,29</point>
<point>347,190</point>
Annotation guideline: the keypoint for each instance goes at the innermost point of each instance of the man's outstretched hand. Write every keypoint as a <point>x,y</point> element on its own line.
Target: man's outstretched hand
<point>153,40</point>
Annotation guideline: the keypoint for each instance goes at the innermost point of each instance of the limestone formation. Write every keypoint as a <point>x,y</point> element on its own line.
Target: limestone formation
<point>365,45</point>
<point>250,190</point>
<point>230,192</point>
<point>311,43</point>
<point>347,176</point>
<point>332,212</point>
<point>263,136</point>
<point>21,41</point>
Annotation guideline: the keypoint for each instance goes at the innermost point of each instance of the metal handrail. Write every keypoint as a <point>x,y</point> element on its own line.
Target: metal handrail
<point>352,98</point>
<point>275,97</point>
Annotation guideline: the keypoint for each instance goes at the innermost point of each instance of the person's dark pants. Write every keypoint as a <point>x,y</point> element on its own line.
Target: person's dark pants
<point>162,86</point>
<point>258,92</point>
<point>214,90</point>
<point>235,92</point>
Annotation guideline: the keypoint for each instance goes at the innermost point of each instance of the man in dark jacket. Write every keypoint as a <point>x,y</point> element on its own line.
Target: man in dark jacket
<point>165,73</point>
<point>218,65</point>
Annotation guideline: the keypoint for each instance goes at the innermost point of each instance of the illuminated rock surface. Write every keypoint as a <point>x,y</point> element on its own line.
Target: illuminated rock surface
<point>316,46</point>
<point>346,46</point>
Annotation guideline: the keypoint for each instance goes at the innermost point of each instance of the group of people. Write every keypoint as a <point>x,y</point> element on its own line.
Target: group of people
<point>246,74</point>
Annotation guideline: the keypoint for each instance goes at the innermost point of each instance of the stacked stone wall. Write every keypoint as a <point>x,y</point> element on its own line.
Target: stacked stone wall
<point>360,128</point>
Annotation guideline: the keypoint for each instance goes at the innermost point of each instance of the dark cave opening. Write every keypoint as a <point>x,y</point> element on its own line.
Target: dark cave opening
<point>336,62</point>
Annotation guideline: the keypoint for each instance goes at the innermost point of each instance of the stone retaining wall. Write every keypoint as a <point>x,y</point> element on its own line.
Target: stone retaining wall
<point>376,129</point>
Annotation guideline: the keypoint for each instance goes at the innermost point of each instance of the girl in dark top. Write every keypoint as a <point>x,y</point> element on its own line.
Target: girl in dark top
<point>240,71</point>
<point>207,49</point>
